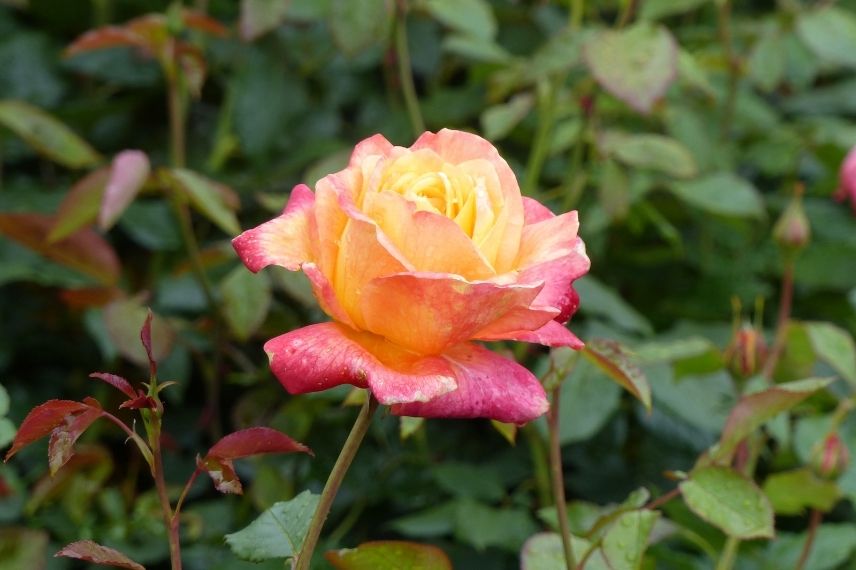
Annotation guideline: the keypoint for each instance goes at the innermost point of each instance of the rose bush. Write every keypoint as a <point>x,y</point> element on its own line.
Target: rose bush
<point>415,252</point>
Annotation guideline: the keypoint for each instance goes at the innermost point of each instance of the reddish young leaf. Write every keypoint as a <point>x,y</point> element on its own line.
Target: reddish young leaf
<point>617,363</point>
<point>85,251</point>
<point>80,206</point>
<point>98,554</point>
<point>64,436</point>
<point>128,173</point>
<point>202,22</point>
<point>103,38</point>
<point>87,297</point>
<point>194,67</point>
<point>146,339</point>
<point>152,31</point>
<point>117,382</point>
<point>255,441</point>
<point>142,401</point>
<point>222,473</point>
<point>42,420</point>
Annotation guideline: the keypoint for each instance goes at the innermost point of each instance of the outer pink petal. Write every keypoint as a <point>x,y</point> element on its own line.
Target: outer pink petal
<point>427,312</point>
<point>325,355</point>
<point>284,240</point>
<point>374,145</point>
<point>489,386</point>
<point>548,239</point>
<point>558,276</point>
<point>430,242</point>
<point>551,334</point>
<point>534,211</point>
<point>326,296</point>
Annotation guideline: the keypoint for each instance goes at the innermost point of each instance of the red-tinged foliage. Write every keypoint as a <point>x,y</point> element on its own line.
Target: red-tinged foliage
<point>128,173</point>
<point>146,339</point>
<point>87,297</point>
<point>98,554</point>
<point>42,420</point>
<point>143,401</point>
<point>85,251</point>
<point>63,437</point>
<point>222,473</point>
<point>244,443</point>
<point>117,382</point>
<point>80,206</point>
<point>202,22</point>
<point>104,38</point>
<point>255,441</point>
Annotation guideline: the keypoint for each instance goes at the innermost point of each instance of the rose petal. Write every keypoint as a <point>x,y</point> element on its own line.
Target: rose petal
<point>549,239</point>
<point>534,211</point>
<point>325,355</point>
<point>374,145</point>
<point>285,240</point>
<point>323,291</point>
<point>557,276</point>
<point>427,312</point>
<point>551,334</point>
<point>458,147</point>
<point>430,242</point>
<point>489,386</point>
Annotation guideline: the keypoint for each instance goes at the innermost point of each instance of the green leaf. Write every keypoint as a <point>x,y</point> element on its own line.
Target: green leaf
<point>613,191</point>
<point>833,545</point>
<point>432,522</point>
<point>721,193</point>
<point>729,501</point>
<point>211,199</point>
<point>791,492</point>
<point>467,480</point>
<point>407,426</point>
<point>588,400</point>
<point>626,540</point>
<point>544,551</point>
<point>278,532</point>
<point>482,526</point>
<point>657,9</point>
<point>499,120</point>
<point>246,300</point>
<point>471,17</point>
<point>47,135</point>
<point>615,360</point>
<point>22,548</point>
<point>654,152</point>
<point>4,401</point>
<point>636,64</point>
<point>754,410</point>
<point>672,350</point>
<point>602,301</point>
<point>835,346</point>
<point>261,16</point>
<point>356,26</point>
<point>829,32</point>
<point>766,66</point>
<point>397,554</point>
<point>475,48</point>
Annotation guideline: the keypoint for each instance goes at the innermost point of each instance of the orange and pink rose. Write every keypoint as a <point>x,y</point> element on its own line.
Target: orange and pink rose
<point>415,253</point>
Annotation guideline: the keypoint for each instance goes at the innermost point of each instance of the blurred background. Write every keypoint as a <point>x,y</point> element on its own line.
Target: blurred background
<point>678,129</point>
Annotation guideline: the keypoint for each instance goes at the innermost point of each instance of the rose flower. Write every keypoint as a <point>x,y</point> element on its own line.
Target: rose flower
<point>414,253</point>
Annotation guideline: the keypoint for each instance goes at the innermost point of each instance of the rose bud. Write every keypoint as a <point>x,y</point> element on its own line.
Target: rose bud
<point>831,457</point>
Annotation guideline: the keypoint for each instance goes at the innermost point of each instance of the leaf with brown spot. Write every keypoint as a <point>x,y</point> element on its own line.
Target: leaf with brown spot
<point>98,554</point>
<point>615,360</point>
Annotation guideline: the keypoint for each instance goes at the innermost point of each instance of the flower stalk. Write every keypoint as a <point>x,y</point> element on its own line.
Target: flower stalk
<point>334,481</point>
<point>558,478</point>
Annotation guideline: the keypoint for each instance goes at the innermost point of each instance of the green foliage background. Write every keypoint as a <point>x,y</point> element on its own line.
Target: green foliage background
<point>677,197</point>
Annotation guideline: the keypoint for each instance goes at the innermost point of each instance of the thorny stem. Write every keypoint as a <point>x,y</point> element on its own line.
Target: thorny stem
<point>546,107</point>
<point>814,523</point>
<point>726,38</point>
<point>169,516</point>
<point>405,71</point>
<point>143,447</point>
<point>184,491</point>
<point>334,481</point>
<point>539,464</point>
<point>785,301</point>
<point>558,478</point>
<point>663,499</point>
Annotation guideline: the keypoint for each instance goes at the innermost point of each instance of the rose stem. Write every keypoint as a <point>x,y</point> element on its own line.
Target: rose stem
<point>343,462</point>
<point>729,554</point>
<point>814,522</point>
<point>546,95</point>
<point>558,477</point>
<point>177,127</point>
<point>405,71</point>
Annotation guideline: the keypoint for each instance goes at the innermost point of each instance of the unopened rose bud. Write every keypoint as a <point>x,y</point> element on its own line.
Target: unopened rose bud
<point>792,232</point>
<point>831,457</point>
<point>746,353</point>
<point>847,180</point>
